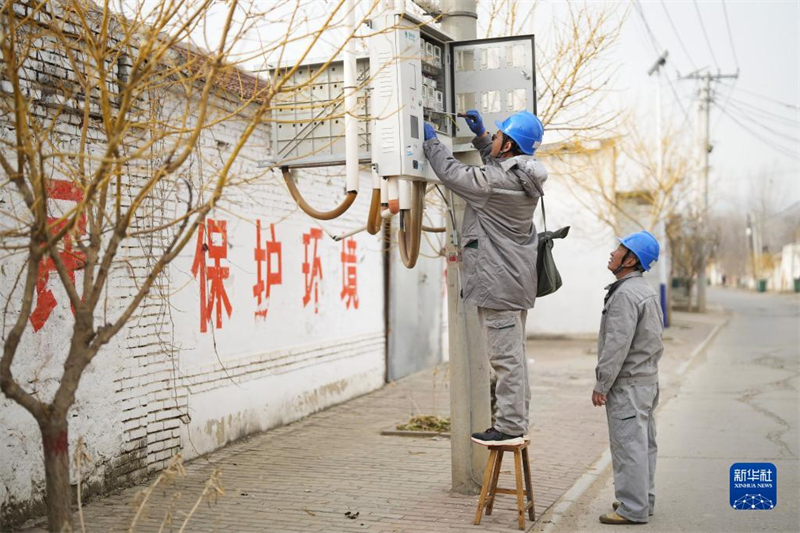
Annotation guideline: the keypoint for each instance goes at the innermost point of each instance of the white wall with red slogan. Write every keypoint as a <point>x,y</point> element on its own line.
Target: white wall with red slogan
<point>273,318</point>
<point>262,320</point>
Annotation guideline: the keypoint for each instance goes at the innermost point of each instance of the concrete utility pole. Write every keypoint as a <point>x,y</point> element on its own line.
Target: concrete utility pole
<point>663,267</point>
<point>706,99</point>
<point>469,365</point>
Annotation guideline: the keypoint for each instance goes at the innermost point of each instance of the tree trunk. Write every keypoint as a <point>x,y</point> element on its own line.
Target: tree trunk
<point>56,472</point>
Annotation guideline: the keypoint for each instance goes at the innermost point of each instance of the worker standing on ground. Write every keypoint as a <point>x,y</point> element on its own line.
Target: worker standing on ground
<point>629,347</point>
<point>499,251</point>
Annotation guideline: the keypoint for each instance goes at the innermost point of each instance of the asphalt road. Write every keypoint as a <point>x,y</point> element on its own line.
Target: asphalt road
<point>738,402</point>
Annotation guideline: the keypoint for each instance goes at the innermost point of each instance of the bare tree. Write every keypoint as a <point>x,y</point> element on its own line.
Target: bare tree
<point>136,96</point>
<point>609,177</point>
<point>573,64</point>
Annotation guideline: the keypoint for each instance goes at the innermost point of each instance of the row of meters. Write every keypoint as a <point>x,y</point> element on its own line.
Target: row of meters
<point>415,74</point>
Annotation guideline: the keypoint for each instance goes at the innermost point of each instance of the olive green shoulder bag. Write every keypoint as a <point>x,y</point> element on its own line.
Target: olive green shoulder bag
<point>549,280</point>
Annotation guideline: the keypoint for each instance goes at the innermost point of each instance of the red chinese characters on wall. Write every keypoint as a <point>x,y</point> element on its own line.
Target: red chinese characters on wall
<point>312,269</point>
<point>212,238</point>
<point>349,274</point>
<point>269,269</point>
<point>73,259</point>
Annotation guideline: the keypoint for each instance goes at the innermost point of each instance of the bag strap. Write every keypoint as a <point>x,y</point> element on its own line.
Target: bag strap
<point>541,197</point>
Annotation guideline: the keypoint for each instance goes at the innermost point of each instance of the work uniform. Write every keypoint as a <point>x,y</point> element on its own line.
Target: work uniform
<point>629,347</point>
<point>499,261</point>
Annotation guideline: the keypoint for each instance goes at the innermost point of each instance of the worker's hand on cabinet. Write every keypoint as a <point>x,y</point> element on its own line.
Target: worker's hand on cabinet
<point>429,133</point>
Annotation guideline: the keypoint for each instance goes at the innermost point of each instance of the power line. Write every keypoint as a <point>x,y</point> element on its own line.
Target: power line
<point>730,34</point>
<point>769,115</point>
<point>725,105</point>
<point>705,34</point>
<point>735,59</point>
<point>677,99</point>
<point>656,45</point>
<point>675,29</point>
<point>781,149</point>
<point>790,106</point>
<point>782,135</point>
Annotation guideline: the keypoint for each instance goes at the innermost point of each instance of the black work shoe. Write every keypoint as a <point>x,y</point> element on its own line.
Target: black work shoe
<point>493,437</point>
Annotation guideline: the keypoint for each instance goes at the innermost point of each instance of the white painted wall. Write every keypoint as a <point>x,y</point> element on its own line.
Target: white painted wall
<point>162,386</point>
<point>254,372</point>
<point>789,269</point>
<point>581,259</point>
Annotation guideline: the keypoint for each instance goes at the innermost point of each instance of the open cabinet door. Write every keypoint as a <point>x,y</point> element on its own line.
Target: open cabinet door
<point>495,76</point>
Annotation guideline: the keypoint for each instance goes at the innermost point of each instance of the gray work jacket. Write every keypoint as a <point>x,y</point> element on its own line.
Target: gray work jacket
<point>499,238</point>
<point>629,345</point>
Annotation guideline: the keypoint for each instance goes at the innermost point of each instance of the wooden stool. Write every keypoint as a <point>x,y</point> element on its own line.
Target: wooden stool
<point>491,475</point>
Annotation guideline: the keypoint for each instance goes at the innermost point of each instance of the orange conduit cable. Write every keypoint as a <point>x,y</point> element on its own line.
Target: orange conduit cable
<point>410,232</point>
<point>374,220</point>
<point>310,211</point>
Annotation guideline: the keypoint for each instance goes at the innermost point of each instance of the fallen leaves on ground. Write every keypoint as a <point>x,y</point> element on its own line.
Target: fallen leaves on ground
<point>426,423</point>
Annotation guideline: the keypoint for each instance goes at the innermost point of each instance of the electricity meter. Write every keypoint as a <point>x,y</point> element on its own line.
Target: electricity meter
<point>419,74</point>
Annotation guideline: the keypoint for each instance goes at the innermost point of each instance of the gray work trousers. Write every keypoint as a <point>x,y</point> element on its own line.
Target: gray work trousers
<point>632,435</point>
<point>504,332</point>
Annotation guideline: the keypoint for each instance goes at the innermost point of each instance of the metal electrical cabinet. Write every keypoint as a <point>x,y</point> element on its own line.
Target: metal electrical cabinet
<point>415,73</point>
<point>418,75</point>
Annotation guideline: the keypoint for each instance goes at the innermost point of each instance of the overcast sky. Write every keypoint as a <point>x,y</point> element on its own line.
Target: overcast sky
<point>764,43</point>
<point>761,143</point>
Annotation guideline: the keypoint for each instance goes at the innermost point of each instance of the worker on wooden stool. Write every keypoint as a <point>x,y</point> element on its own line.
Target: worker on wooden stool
<point>629,347</point>
<point>499,252</point>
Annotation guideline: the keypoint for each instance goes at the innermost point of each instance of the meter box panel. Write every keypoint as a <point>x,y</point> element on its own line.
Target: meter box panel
<point>495,76</point>
<point>400,95</point>
<point>435,78</point>
<point>308,121</point>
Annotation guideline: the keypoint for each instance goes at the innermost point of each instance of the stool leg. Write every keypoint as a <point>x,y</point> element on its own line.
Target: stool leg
<point>487,477</point>
<point>520,497</point>
<point>493,487</point>
<point>528,484</point>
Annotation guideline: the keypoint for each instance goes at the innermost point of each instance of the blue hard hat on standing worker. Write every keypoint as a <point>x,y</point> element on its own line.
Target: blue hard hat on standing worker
<point>525,128</point>
<point>644,246</point>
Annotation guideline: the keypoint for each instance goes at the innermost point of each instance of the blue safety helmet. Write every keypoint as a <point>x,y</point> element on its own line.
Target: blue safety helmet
<point>525,128</point>
<point>644,246</point>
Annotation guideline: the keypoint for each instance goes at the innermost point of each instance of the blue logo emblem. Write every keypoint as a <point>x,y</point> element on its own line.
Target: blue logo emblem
<point>754,486</point>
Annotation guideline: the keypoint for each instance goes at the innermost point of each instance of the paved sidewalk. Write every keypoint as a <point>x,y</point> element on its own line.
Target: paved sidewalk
<point>305,476</point>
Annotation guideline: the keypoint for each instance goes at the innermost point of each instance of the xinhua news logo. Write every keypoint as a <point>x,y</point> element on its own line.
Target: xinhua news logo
<point>754,486</point>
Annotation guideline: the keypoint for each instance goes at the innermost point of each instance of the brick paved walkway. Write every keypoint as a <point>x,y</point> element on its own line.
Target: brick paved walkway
<point>305,476</point>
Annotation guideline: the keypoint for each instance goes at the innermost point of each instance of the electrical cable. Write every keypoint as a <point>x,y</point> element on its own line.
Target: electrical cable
<point>782,135</point>
<point>677,99</point>
<point>730,35</point>
<point>656,45</point>
<point>675,29</point>
<point>658,49</point>
<point>705,34</point>
<point>735,59</point>
<point>783,150</point>
<point>790,106</point>
<point>780,119</point>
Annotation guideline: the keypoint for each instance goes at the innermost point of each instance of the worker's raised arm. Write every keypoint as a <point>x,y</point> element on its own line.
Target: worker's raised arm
<point>467,181</point>
<point>482,142</point>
